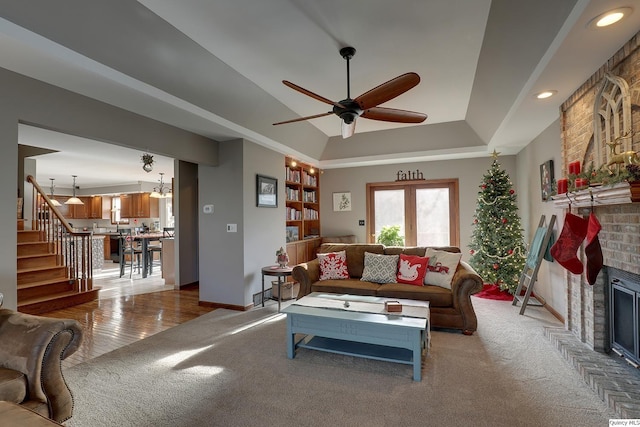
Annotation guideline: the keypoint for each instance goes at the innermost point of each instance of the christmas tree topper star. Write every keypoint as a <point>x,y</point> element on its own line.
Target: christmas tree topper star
<point>495,154</point>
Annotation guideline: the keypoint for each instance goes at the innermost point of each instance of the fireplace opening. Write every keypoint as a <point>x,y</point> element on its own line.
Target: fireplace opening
<point>624,307</point>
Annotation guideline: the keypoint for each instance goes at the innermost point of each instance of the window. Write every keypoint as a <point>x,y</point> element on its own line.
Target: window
<point>115,212</point>
<point>426,211</point>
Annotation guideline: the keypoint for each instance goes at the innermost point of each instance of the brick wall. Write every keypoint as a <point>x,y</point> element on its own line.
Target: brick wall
<point>620,234</point>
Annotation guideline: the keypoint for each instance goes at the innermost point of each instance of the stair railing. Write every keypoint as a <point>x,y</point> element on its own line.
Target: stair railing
<point>73,249</point>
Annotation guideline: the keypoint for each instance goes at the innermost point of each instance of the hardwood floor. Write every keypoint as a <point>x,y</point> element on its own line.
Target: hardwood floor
<point>128,310</point>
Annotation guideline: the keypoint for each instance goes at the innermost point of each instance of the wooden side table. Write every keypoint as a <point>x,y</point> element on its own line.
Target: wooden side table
<point>281,273</point>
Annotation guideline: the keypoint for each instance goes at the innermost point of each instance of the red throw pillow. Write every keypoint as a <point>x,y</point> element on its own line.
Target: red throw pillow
<point>333,265</point>
<point>411,269</point>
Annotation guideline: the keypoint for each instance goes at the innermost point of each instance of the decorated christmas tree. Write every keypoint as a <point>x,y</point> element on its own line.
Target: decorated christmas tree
<point>497,245</point>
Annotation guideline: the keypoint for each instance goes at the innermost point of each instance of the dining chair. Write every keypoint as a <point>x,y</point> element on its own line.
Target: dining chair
<point>129,251</point>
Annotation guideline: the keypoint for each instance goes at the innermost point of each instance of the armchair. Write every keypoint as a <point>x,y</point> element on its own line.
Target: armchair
<point>31,351</point>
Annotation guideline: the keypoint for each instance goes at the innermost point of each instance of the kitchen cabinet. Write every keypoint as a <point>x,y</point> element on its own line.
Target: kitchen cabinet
<point>92,208</point>
<point>138,205</point>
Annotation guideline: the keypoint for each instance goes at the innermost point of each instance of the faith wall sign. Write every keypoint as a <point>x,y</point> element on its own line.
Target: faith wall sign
<point>409,175</point>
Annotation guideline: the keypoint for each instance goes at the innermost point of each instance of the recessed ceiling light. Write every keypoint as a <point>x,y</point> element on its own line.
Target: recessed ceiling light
<point>609,18</point>
<point>546,94</point>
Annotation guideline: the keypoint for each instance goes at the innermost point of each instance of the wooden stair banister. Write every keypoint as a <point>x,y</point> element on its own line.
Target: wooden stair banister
<point>54,239</point>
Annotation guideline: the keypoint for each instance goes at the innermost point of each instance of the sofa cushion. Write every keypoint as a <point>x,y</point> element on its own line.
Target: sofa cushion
<point>13,385</point>
<point>380,268</point>
<point>411,269</point>
<point>355,254</point>
<point>436,295</point>
<point>349,286</point>
<point>442,267</point>
<point>333,265</point>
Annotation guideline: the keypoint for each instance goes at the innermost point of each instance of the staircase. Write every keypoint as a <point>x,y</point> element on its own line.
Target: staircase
<point>53,262</point>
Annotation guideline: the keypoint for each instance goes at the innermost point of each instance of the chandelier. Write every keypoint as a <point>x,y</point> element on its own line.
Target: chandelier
<point>162,191</point>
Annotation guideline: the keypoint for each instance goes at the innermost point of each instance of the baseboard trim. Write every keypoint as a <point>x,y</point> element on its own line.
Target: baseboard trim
<point>555,314</point>
<point>227,306</point>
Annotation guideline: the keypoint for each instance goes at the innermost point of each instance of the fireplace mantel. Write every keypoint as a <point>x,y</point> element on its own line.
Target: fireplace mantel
<point>604,195</point>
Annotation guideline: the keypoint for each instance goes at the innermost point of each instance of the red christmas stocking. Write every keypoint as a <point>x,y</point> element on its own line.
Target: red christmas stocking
<point>565,248</point>
<point>592,249</point>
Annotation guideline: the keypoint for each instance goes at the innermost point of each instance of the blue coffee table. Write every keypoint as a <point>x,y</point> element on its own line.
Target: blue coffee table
<point>391,337</point>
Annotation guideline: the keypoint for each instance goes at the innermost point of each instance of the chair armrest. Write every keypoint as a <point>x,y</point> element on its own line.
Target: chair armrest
<point>465,283</point>
<point>306,274</point>
<point>35,346</point>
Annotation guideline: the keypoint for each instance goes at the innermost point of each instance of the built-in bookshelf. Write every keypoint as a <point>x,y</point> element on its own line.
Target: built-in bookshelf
<point>302,192</point>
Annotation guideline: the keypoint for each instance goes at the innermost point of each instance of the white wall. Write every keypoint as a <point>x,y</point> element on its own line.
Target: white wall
<point>468,171</point>
<point>546,146</point>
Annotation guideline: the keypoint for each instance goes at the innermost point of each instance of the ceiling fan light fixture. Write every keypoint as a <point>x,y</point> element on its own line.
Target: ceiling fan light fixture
<point>367,104</point>
<point>348,129</point>
<point>609,18</point>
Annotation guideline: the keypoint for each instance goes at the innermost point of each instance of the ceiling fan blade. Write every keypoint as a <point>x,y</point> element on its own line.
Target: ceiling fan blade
<point>300,119</point>
<point>348,129</point>
<point>393,115</point>
<point>387,91</point>
<point>311,94</point>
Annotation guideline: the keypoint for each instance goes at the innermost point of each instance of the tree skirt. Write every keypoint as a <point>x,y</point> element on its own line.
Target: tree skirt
<point>490,291</point>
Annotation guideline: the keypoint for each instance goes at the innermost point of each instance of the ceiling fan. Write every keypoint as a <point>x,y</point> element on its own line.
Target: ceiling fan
<point>365,105</point>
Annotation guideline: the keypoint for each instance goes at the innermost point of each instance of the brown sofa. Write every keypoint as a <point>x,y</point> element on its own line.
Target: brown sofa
<point>31,351</point>
<point>450,308</point>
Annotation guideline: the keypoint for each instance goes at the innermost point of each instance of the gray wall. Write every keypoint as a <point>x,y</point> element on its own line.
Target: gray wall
<point>468,171</point>
<point>186,219</point>
<point>546,146</point>
<point>231,262</point>
<point>32,102</point>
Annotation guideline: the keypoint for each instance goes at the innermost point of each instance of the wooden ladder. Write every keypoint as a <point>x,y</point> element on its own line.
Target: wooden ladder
<point>529,274</point>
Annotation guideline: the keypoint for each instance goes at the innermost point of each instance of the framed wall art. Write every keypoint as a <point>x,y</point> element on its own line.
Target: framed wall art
<point>546,179</point>
<point>266,192</point>
<point>342,202</point>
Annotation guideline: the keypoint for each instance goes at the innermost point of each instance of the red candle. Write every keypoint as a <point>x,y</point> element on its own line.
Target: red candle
<point>574,168</point>
<point>581,182</point>
<point>562,185</point>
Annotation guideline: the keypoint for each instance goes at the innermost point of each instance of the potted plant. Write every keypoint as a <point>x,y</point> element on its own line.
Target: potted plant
<point>390,236</point>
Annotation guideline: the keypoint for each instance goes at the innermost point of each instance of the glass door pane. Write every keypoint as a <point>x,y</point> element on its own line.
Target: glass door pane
<point>432,217</point>
<point>389,207</point>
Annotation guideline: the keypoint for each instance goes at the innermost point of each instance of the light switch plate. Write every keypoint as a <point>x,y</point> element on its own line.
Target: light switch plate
<point>208,209</point>
<point>232,228</point>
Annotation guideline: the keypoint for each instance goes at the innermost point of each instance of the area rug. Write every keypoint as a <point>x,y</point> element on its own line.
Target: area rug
<point>230,369</point>
<point>490,291</point>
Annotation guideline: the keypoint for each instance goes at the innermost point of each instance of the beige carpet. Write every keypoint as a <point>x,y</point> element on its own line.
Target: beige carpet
<point>230,369</point>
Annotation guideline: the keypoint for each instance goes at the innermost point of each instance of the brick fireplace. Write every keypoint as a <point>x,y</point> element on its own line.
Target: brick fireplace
<point>587,305</point>
<point>587,138</point>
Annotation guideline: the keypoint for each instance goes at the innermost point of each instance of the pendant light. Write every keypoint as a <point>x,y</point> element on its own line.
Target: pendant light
<point>74,200</point>
<point>54,202</point>
<point>162,191</point>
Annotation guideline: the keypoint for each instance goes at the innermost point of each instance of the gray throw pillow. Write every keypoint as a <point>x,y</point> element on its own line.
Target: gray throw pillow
<point>380,268</point>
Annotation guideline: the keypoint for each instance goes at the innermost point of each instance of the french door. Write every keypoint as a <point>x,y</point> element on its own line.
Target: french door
<point>426,211</point>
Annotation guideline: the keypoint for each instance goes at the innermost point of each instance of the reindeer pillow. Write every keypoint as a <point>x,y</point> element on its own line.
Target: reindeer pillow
<point>411,269</point>
<point>442,266</point>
